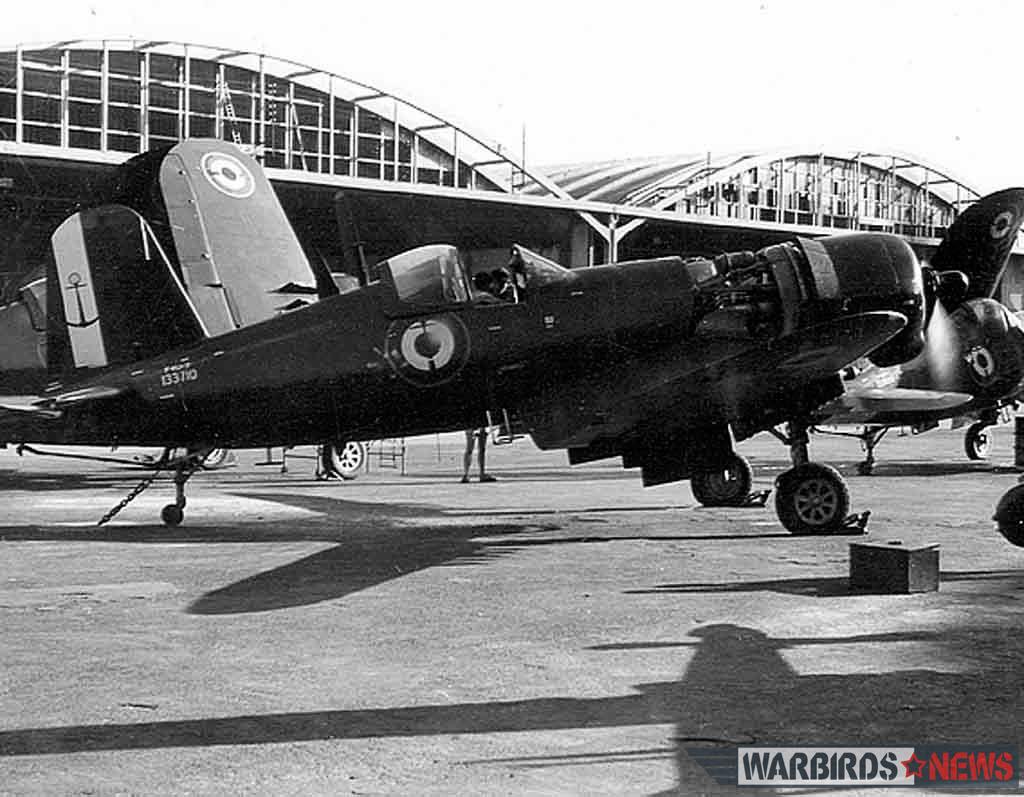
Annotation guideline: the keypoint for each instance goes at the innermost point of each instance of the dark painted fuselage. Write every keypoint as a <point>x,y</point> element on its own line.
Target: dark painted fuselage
<point>337,370</point>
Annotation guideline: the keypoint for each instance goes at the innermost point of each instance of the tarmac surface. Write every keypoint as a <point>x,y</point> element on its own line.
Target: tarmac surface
<point>561,631</point>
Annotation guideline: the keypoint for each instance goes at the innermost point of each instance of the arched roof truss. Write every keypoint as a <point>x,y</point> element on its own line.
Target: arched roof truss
<point>109,99</point>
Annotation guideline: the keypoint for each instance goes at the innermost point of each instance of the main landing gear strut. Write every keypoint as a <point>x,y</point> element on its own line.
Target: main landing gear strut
<point>810,498</point>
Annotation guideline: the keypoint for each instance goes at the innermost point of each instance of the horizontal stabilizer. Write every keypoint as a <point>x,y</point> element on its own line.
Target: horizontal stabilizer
<point>901,399</point>
<point>30,410</point>
<point>85,394</point>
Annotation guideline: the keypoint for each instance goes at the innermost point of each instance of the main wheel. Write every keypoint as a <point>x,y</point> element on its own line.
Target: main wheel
<point>1009,515</point>
<point>812,499</point>
<point>344,459</point>
<point>976,442</point>
<point>172,515</point>
<point>728,486</point>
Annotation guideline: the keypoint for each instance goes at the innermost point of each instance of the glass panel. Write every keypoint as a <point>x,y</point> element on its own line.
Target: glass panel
<point>8,70</point>
<point>124,63</point>
<point>86,59</point>
<point>535,269</point>
<point>123,143</point>
<point>164,67</point>
<point>85,86</point>
<point>429,276</point>
<point>126,119</point>
<point>164,97</point>
<point>369,122</point>
<point>239,79</point>
<point>124,91</point>
<point>200,126</point>
<point>369,148</point>
<point>156,142</point>
<point>41,109</point>
<point>49,57</point>
<point>163,124</point>
<point>371,170</point>
<point>85,114</point>
<point>84,139</point>
<point>43,82</point>
<point>42,135</point>
<point>8,105</point>
<point>309,116</point>
<point>203,73</point>
<point>201,101</point>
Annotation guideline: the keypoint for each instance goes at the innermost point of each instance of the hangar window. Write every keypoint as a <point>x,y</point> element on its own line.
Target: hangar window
<point>124,91</point>
<point>42,135</point>
<point>86,59</point>
<point>48,57</point>
<point>124,63</point>
<point>84,114</point>
<point>164,97</point>
<point>42,82</point>
<point>119,118</point>
<point>164,67</point>
<point>84,86</point>
<point>84,139</point>
<point>42,109</point>
<point>123,143</point>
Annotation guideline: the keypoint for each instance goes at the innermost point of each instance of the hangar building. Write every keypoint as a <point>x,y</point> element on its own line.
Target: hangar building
<point>363,173</point>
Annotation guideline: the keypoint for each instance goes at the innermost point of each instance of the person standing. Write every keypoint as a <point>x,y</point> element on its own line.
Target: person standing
<point>476,438</point>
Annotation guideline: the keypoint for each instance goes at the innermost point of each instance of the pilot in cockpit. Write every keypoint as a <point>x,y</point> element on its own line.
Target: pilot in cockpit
<point>496,284</point>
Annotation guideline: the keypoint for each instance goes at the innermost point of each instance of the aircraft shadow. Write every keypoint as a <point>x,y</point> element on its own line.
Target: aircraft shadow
<point>43,481</point>
<point>824,587</point>
<point>737,688</point>
<point>896,469</point>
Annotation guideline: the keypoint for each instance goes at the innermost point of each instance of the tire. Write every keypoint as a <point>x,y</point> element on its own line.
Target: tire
<point>172,515</point>
<point>812,499</point>
<point>728,486</point>
<point>976,442</point>
<point>344,459</point>
<point>1009,515</point>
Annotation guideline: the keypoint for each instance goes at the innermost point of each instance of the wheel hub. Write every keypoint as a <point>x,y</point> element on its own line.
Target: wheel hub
<point>816,502</point>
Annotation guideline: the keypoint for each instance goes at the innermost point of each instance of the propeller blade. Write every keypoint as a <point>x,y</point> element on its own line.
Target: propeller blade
<point>941,348</point>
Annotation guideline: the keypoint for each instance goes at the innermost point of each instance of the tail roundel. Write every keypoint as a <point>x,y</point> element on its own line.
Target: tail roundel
<point>112,295</point>
<point>979,242</point>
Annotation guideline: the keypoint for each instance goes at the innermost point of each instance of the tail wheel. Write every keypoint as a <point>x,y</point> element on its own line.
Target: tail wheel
<point>976,442</point>
<point>812,499</point>
<point>344,459</point>
<point>728,486</point>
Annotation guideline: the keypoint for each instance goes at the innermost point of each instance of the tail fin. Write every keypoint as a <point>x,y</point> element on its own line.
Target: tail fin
<point>979,242</point>
<point>240,260</point>
<point>112,295</point>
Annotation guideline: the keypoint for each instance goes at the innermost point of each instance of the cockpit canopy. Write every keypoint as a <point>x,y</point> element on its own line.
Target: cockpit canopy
<point>429,276</point>
<point>435,276</point>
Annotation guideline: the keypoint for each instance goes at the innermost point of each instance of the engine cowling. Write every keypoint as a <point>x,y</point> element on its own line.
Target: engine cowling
<point>881,272</point>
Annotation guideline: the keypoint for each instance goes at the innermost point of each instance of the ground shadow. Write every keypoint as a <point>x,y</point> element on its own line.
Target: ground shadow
<point>821,587</point>
<point>736,689</point>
